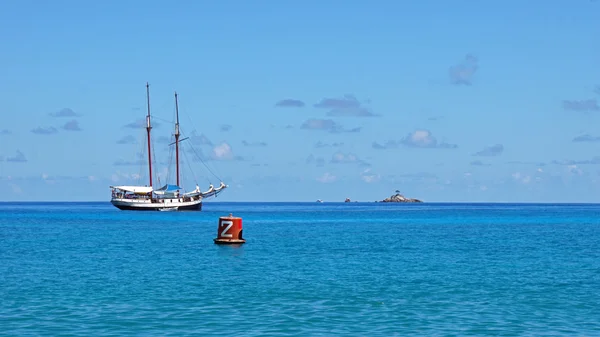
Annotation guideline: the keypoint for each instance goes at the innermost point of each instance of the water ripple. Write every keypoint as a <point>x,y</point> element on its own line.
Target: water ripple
<point>306,270</point>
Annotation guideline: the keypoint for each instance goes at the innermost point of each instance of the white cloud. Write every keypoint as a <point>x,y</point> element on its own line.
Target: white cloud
<point>223,151</point>
<point>489,151</point>
<point>518,176</point>
<point>424,139</point>
<point>48,179</point>
<point>369,177</point>
<point>327,178</point>
<point>347,158</point>
<point>344,158</point>
<point>574,169</point>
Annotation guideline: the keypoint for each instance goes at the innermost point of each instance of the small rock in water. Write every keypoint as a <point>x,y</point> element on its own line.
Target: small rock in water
<point>400,198</point>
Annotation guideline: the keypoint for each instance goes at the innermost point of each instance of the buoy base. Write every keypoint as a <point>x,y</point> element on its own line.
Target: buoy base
<point>229,241</point>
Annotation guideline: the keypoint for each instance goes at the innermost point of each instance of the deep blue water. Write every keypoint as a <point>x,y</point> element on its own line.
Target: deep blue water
<point>306,269</point>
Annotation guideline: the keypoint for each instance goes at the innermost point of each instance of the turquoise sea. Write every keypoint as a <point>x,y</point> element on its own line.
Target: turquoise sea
<point>307,269</point>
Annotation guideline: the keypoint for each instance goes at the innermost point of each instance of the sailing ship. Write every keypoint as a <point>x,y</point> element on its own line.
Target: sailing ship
<point>167,197</point>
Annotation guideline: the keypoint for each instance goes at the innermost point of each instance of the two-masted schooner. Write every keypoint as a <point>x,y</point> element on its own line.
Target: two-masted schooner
<point>167,197</point>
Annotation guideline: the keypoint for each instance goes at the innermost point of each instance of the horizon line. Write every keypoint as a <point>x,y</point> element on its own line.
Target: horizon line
<point>329,202</point>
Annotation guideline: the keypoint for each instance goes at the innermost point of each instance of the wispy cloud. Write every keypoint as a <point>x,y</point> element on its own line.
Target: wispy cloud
<point>326,125</point>
<point>72,125</point>
<point>348,106</point>
<point>121,162</point>
<point>494,150</point>
<point>200,139</point>
<point>163,140</point>
<point>347,158</point>
<point>581,105</point>
<point>19,157</point>
<point>415,177</point>
<point>587,138</point>
<point>51,179</point>
<point>369,177</point>
<point>318,161</point>
<point>255,144</point>
<point>141,124</point>
<point>220,152</point>
<point>290,103</point>
<point>320,144</point>
<point>594,161</point>
<point>129,139</point>
<point>478,163</point>
<point>16,189</point>
<point>415,139</point>
<point>327,178</point>
<point>518,162</point>
<point>275,126</point>
<point>462,73</point>
<point>66,112</point>
<point>390,144</point>
<point>44,131</point>
<point>521,178</point>
<point>122,176</point>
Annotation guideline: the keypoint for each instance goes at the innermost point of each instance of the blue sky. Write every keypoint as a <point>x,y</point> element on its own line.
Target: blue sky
<point>304,100</point>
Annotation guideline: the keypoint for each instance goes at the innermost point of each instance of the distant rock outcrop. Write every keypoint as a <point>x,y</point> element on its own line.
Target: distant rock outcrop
<point>399,198</point>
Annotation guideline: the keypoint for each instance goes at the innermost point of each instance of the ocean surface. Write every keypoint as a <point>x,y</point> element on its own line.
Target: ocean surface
<point>306,269</point>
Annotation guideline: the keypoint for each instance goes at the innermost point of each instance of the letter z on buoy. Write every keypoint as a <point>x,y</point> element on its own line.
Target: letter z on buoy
<point>229,231</point>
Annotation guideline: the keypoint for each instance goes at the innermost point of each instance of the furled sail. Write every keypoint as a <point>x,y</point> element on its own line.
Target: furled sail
<point>212,191</point>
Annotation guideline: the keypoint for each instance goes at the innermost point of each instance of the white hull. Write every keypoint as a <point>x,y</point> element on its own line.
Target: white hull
<point>156,204</point>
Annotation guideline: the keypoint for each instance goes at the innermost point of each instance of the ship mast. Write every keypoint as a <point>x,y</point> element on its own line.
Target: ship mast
<point>148,127</point>
<point>177,139</point>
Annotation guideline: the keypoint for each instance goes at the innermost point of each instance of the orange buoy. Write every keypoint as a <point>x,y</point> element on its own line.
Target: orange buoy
<point>230,230</point>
